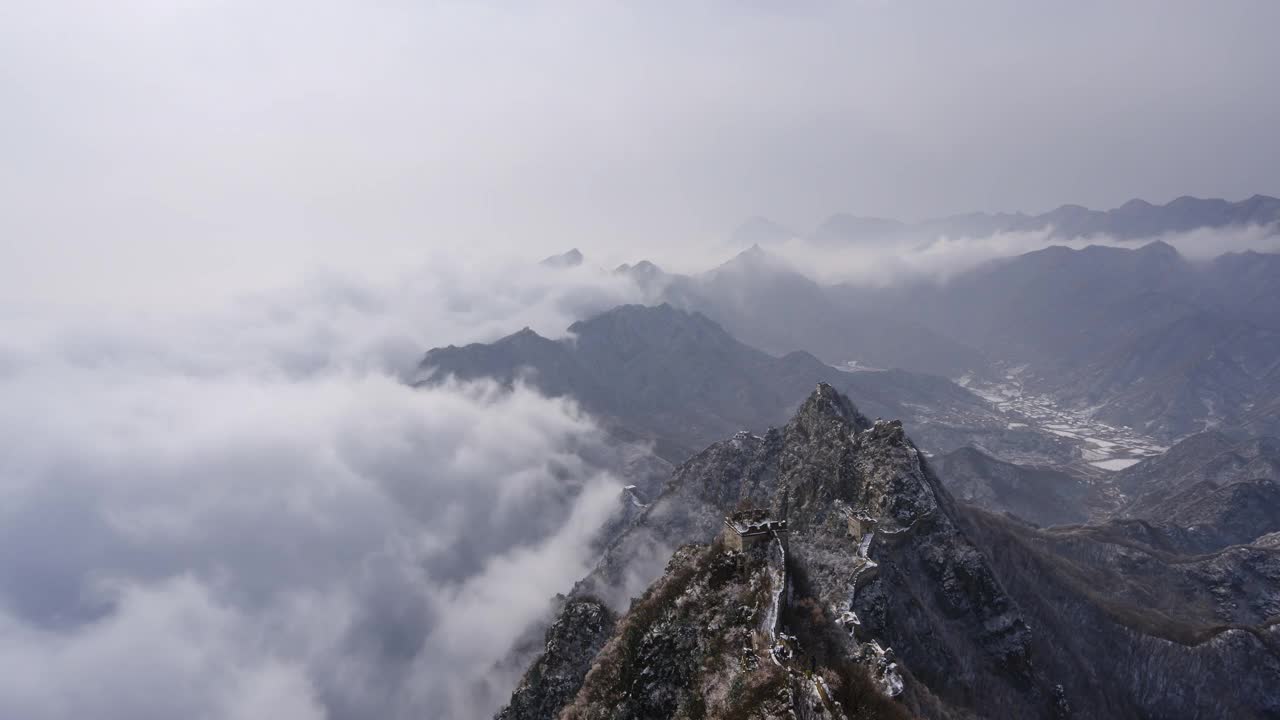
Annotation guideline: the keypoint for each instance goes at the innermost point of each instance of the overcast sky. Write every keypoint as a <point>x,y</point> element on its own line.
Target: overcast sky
<point>206,144</point>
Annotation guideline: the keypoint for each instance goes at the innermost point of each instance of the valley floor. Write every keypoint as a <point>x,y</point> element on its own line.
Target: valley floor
<point>1102,446</point>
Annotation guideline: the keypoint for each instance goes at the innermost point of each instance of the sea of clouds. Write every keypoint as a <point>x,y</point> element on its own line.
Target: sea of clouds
<point>246,512</point>
<point>242,508</point>
<point>939,258</point>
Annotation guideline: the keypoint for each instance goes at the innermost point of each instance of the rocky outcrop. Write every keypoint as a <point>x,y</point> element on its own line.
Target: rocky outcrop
<point>706,640</point>
<point>933,599</point>
<point>572,642</point>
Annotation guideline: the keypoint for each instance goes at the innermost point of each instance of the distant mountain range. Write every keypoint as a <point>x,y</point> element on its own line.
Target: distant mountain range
<point>1140,337</point>
<point>768,304</point>
<point>1041,588</point>
<point>1134,220</point>
<point>673,378</point>
<point>992,571</point>
<point>678,379</point>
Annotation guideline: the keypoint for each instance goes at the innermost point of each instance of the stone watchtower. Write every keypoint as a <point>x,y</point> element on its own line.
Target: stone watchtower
<point>860,523</point>
<point>749,528</point>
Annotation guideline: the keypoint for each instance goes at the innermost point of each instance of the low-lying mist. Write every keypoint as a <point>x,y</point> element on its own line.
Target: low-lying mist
<point>938,259</point>
<point>248,513</point>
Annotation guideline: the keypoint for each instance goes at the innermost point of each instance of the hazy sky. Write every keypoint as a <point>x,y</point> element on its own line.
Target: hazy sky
<point>201,144</point>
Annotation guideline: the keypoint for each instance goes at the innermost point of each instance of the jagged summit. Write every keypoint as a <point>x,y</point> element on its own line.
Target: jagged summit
<point>644,268</point>
<point>825,400</point>
<point>650,278</point>
<point>871,543</point>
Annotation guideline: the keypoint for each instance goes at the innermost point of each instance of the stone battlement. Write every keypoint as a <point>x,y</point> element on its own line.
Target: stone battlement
<point>751,527</point>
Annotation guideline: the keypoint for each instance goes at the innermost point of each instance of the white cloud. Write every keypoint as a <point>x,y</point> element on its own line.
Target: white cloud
<point>248,514</point>
<point>940,258</point>
<point>169,649</point>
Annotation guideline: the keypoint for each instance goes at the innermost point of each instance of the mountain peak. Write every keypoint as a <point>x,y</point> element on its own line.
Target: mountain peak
<point>665,312</point>
<point>645,274</point>
<point>572,258</point>
<point>1136,204</point>
<point>1159,248</point>
<point>826,403</point>
<point>630,328</point>
<point>753,258</point>
<point>525,338</point>
<point>1260,198</point>
<point>644,267</point>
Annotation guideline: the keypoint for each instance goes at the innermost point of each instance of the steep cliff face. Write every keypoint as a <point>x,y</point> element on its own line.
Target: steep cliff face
<point>572,641</point>
<point>876,536</point>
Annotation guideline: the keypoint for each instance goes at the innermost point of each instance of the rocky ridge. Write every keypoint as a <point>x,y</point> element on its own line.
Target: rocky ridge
<point>828,464</point>
<point>891,587</point>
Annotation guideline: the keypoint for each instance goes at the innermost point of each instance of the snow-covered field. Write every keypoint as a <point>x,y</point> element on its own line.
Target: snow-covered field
<point>1115,463</point>
<point>1103,446</point>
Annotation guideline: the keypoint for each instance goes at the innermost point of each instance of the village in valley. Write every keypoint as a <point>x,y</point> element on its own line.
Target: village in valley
<point>1102,446</point>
